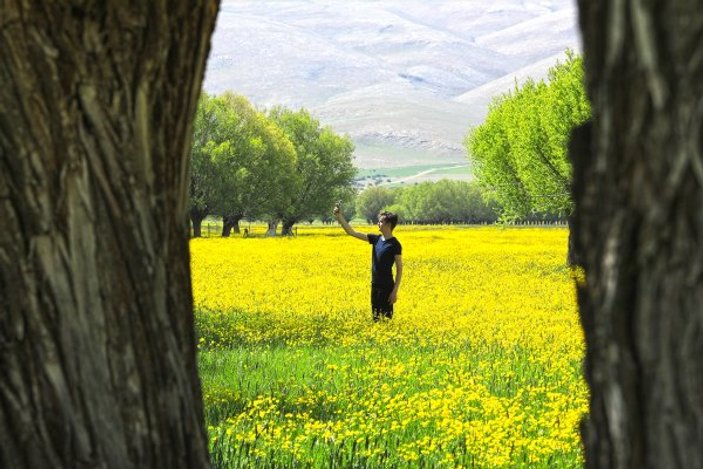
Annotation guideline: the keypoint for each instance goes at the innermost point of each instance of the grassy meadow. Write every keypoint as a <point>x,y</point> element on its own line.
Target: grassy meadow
<point>480,367</point>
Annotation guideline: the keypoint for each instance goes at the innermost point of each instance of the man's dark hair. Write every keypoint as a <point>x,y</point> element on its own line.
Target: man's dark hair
<point>391,218</point>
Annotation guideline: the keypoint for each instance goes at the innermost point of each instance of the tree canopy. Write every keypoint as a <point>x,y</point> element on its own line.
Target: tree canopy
<point>254,163</point>
<point>519,152</point>
<point>203,173</point>
<point>372,201</point>
<point>324,168</point>
<point>444,201</point>
<point>280,165</point>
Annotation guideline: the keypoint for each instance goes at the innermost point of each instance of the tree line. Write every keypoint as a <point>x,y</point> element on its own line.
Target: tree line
<point>278,165</point>
<point>444,201</point>
<point>282,166</point>
<point>519,153</point>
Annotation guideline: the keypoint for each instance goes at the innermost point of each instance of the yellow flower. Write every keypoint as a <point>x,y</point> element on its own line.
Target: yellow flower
<point>480,367</point>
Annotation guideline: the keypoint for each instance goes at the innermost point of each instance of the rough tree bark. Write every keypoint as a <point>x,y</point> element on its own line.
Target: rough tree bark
<point>230,223</point>
<point>638,190</point>
<point>97,349</point>
<point>572,254</point>
<point>287,227</point>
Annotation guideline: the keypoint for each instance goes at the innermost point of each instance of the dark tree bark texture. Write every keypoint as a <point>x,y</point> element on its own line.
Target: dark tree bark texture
<point>97,349</point>
<point>287,227</point>
<point>638,190</point>
<point>229,223</point>
<point>196,218</point>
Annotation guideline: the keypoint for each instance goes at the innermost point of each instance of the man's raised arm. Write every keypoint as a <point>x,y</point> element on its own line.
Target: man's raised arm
<point>347,228</point>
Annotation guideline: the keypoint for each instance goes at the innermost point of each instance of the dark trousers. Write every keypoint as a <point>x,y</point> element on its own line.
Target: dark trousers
<point>380,306</point>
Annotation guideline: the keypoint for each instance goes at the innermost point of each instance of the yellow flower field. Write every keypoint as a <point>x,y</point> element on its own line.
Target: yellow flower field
<point>480,367</point>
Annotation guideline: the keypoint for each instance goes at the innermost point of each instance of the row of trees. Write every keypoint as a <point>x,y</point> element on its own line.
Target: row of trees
<point>445,201</point>
<point>519,153</point>
<point>279,165</point>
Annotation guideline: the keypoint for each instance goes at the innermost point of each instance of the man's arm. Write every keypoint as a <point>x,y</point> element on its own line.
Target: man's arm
<point>347,228</point>
<point>398,276</point>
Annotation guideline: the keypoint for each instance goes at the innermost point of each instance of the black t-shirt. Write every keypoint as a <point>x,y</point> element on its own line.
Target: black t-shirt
<point>383,255</point>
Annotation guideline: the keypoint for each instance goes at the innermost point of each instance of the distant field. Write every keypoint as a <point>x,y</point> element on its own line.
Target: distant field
<point>457,169</point>
<point>409,170</point>
<point>412,174</point>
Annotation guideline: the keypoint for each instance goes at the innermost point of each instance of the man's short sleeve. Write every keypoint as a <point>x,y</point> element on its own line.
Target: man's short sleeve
<point>398,249</point>
<point>372,238</point>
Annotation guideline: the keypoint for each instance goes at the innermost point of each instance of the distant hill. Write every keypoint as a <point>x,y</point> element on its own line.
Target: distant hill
<point>405,79</point>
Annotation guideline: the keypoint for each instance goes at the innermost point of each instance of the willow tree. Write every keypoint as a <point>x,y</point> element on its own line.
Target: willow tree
<point>97,349</point>
<point>204,177</point>
<point>638,189</point>
<point>519,152</point>
<point>324,168</point>
<point>255,164</point>
<point>372,201</point>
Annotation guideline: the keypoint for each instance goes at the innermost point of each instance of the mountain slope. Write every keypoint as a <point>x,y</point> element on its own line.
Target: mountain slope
<point>404,79</point>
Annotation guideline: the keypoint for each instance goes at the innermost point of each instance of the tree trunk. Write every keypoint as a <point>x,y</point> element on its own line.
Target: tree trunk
<point>572,254</point>
<point>229,223</point>
<point>580,151</point>
<point>197,217</point>
<point>638,188</point>
<point>273,226</point>
<point>287,227</point>
<point>97,348</point>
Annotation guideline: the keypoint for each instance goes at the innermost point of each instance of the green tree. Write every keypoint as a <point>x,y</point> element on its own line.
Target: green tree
<point>372,200</point>
<point>445,201</point>
<point>323,167</point>
<point>203,175</point>
<point>243,164</point>
<point>255,164</point>
<point>519,152</point>
<point>482,208</point>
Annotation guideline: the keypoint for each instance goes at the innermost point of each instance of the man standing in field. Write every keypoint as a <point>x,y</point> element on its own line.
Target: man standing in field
<point>385,251</point>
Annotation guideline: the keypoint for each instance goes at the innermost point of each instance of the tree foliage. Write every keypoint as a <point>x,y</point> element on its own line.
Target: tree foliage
<point>281,165</point>
<point>203,173</point>
<point>324,169</point>
<point>444,201</point>
<point>519,152</point>
<point>372,201</point>
<point>255,163</point>
<point>242,163</point>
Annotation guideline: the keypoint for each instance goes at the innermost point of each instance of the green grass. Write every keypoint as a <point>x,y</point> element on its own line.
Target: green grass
<point>353,388</point>
<point>291,372</point>
<point>451,171</point>
<point>331,385</point>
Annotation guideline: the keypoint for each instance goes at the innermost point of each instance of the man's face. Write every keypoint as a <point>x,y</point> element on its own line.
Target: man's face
<point>382,222</point>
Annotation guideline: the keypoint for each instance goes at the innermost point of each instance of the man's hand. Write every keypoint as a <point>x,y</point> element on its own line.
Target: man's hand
<point>393,297</point>
<point>345,224</point>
